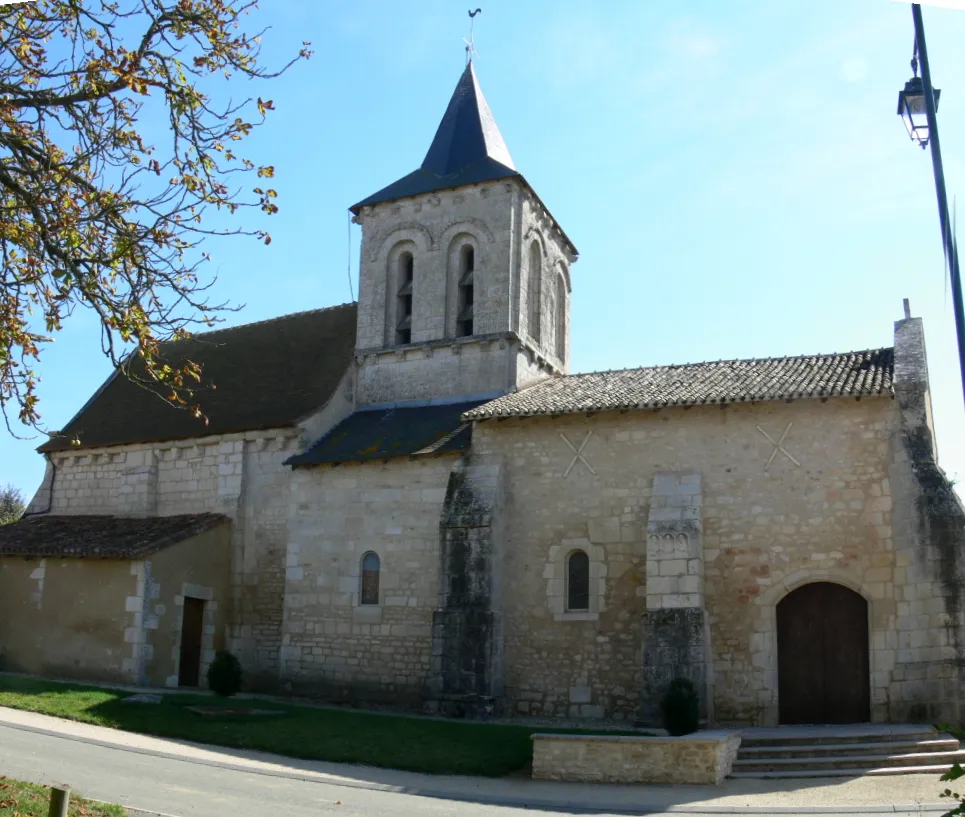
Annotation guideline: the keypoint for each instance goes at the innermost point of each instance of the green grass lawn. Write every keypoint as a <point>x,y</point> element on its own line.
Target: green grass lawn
<point>341,736</point>
<point>19,799</point>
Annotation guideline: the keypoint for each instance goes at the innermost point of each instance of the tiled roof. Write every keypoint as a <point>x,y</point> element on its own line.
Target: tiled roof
<point>851,374</point>
<point>259,375</point>
<point>376,434</point>
<point>101,537</point>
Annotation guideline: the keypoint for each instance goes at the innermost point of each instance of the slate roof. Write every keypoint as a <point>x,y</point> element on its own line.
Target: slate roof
<point>851,374</point>
<point>259,375</point>
<point>101,537</point>
<point>374,434</point>
<point>468,148</point>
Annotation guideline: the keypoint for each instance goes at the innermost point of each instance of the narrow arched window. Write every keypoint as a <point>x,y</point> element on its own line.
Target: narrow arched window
<point>561,318</point>
<point>464,307</point>
<point>578,581</point>
<point>403,309</point>
<point>534,288</point>
<point>369,585</point>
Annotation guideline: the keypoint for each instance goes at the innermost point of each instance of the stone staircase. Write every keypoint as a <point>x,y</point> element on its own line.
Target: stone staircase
<point>846,751</point>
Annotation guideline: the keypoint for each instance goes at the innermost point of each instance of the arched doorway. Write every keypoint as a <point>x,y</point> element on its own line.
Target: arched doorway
<point>822,656</point>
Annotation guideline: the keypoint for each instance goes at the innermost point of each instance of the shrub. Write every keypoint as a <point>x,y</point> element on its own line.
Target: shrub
<point>681,708</point>
<point>224,674</point>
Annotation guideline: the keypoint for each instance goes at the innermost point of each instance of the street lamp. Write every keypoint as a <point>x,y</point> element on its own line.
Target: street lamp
<point>912,108</point>
<point>917,106</point>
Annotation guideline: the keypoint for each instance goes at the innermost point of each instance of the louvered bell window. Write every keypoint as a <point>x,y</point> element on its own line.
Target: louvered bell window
<point>403,327</point>
<point>467,266</point>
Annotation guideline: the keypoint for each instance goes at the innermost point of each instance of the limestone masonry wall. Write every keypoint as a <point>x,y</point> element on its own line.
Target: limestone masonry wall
<point>332,644</point>
<point>704,759</point>
<point>768,526</point>
<point>239,475</point>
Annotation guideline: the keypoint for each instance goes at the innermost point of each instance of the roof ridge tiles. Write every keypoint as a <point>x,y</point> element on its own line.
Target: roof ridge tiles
<point>721,361</point>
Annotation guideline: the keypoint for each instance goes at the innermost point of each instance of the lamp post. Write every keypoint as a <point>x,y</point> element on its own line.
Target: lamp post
<point>917,105</point>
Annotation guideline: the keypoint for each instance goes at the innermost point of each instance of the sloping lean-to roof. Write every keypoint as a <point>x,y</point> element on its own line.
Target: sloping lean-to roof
<point>378,434</point>
<point>852,374</point>
<point>102,537</point>
<point>259,375</point>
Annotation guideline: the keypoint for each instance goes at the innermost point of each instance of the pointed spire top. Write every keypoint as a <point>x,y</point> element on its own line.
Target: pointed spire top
<point>468,132</point>
<point>467,149</point>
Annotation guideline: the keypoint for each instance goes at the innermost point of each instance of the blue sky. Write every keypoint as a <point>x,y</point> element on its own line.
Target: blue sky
<point>734,174</point>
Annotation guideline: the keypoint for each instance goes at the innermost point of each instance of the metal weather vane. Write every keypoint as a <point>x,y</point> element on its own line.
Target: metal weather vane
<point>471,42</point>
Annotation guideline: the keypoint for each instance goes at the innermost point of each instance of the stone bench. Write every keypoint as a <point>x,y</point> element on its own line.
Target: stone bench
<point>701,758</point>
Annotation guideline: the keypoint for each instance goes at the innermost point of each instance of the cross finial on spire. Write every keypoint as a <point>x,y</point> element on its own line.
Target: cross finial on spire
<point>471,42</point>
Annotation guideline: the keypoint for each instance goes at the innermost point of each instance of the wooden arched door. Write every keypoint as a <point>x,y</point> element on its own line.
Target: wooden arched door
<point>822,656</point>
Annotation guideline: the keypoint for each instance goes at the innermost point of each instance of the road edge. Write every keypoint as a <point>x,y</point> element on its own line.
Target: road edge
<point>596,807</point>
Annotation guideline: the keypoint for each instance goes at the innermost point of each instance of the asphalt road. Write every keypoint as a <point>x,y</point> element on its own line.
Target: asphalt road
<point>185,789</point>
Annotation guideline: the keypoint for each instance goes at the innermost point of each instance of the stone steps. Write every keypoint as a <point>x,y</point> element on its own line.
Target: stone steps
<point>843,772</point>
<point>838,749</point>
<point>845,752</point>
<point>818,737</point>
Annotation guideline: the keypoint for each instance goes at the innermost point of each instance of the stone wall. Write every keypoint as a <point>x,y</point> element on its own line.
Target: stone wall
<point>704,758</point>
<point>333,645</point>
<point>432,370</point>
<point>768,524</point>
<point>240,475</point>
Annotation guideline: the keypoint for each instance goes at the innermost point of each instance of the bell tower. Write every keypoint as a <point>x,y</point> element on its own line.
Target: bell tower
<point>464,277</point>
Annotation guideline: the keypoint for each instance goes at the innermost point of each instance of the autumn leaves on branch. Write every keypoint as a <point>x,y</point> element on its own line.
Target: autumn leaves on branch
<point>95,213</point>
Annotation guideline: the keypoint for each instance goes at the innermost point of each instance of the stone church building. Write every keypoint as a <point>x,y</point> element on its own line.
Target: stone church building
<point>423,507</point>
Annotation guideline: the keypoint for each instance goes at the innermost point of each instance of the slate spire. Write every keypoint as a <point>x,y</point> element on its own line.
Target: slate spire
<point>467,133</point>
<point>467,149</point>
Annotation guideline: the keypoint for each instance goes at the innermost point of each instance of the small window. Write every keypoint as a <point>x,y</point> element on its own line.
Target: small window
<point>403,327</point>
<point>467,266</point>
<point>578,581</point>
<point>369,591</point>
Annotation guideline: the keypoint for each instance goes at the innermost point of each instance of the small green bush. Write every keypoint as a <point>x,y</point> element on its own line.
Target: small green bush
<point>681,708</point>
<point>224,674</point>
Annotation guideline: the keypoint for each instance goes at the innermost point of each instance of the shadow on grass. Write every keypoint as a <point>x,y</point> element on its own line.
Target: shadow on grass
<point>332,735</point>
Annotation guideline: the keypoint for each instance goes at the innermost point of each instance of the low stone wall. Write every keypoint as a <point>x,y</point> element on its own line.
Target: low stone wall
<point>702,758</point>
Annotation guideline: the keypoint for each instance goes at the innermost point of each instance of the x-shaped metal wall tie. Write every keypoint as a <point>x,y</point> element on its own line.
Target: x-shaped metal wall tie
<point>578,454</point>
<point>778,446</point>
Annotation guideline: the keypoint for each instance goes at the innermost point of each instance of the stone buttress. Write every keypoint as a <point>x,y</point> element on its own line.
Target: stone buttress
<point>467,642</point>
<point>675,629</point>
